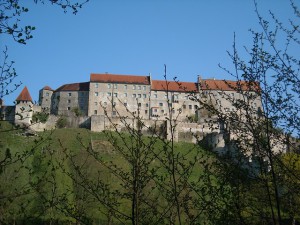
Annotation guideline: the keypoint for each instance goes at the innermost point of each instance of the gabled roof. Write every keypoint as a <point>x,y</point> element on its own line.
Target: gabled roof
<point>114,78</point>
<point>24,95</point>
<point>47,88</point>
<point>162,85</point>
<point>74,87</point>
<point>228,85</point>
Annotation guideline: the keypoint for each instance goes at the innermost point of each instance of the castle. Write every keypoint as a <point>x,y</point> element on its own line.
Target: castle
<point>127,96</point>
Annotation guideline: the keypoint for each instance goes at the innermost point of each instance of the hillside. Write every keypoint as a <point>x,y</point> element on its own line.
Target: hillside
<point>59,175</point>
<point>75,176</point>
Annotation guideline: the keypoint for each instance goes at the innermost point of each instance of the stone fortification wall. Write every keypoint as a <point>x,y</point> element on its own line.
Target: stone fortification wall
<point>101,122</point>
<point>72,122</point>
<point>49,125</point>
<point>7,113</point>
<point>184,131</point>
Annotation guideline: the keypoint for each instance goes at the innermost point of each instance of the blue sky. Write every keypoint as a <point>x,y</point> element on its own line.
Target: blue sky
<point>133,37</point>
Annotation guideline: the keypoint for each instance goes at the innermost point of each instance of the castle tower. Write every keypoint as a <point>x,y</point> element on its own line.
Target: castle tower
<point>45,95</point>
<point>24,107</point>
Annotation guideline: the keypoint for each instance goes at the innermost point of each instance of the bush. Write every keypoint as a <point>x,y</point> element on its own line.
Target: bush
<point>40,117</point>
<point>61,122</point>
<point>77,111</point>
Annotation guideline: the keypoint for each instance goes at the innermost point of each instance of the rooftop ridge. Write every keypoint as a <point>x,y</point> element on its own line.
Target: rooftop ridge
<point>117,78</point>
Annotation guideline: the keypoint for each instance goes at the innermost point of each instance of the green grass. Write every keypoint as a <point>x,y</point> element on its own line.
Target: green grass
<point>48,158</point>
<point>55,175</point>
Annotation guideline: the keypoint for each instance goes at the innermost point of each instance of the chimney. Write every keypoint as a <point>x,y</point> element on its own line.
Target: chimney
<point>199,81</point>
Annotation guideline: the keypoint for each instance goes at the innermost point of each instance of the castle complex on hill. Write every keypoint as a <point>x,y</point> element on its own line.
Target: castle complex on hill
<point>127,96</point>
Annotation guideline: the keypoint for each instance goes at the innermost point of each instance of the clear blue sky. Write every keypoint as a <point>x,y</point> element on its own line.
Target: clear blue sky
<point>133,37</point>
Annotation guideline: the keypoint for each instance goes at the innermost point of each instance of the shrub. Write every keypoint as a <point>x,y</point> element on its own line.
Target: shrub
<point>77,111</point>
<point>61,122</point>
<point>40,117</point>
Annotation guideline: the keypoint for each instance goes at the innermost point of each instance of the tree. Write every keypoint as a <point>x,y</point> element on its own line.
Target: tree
<point>257,135</point>
<point>15,163</point>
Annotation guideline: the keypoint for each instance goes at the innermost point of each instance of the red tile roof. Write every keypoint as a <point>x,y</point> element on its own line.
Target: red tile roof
<point>114,78</point>
<point>74,87</point>
<point>24,95</point>
<point>47,88</point>
<point>228,85</point>
<point>162,85</point>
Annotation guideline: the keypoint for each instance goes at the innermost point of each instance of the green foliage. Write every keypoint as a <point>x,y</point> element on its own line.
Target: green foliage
<point>40,117</point>
<point>77,111</point>
<point>61,122</point>
<point>193,118</point>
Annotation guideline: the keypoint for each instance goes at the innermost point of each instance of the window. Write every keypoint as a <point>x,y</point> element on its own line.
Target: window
<point>125,94</point>
<point>125,103</point>
<point>109,86</point>
<point>96,85</point>
<point>155,110</point>
<point>175,96</point>
<point>166,96</point>
<point>146,111</point>
<point>144,87</point>
<point>139,104</point>
<point>190,106</point>
<point>69,108</point>
<point>69,101</point>
<point>95,112</point>
<point>147,105</point>
<point>125,86</point>
<point>116,94</point>
<point>161,104</point>
<point>162,111</point>
<point>184,106</point>
<point>96,93</point>
<point>96,103</point>
<point>134,95</point>
<point>139,95</point>
<point>195,107</point>
<point>186,97</point>
<point>133,87</point>
<point>155,95</point>
<point>139,87</point>
<point>105,103</point>
<point>108,94</point>
<point>114,113</point>
<point>69,94</point>
<point>47,94</point>
<point>144,96</point>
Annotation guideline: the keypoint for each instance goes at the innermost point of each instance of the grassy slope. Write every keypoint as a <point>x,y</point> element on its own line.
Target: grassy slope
<point>42,186</point>
<point>41,168</point>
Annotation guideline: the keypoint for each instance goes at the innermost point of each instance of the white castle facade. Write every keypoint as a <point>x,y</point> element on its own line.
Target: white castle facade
<point>128,96</point>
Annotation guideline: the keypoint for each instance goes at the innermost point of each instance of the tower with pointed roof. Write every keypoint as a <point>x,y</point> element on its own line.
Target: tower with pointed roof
<point>24,107</point>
